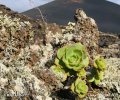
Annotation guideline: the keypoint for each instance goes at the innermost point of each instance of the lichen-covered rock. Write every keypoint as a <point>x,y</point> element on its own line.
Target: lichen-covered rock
<point>24,64</point>
<point>28,49</point>
<point>112,79</point>
<point>18,81</point>
<point>87,30</point>
<point>110,45</point>
<point>22,77</point>
<point>14,35</point>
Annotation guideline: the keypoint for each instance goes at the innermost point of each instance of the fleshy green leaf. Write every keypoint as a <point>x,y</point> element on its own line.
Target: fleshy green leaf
<point>90,78</point>
<point>81,73</point>
<point>97,81</point>
<point>57,61</point>
<point>73,87</point>
<point>61,52</point>
<point>100,74</point>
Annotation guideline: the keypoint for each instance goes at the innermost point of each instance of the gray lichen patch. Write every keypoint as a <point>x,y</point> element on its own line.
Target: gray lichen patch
<point>14,34</point>
<point>27,74</point>
<point>19,59</point>
<point>112,74</point>
<point>111,82</point>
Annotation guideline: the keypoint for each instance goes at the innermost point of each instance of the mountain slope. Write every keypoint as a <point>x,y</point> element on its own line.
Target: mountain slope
<point>61,12</point>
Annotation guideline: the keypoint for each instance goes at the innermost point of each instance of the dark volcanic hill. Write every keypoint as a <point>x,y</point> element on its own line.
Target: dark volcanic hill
<point>105,13</point>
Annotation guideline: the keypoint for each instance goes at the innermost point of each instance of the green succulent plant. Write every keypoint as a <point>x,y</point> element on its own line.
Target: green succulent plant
<point>72,60</point>
<point>96,76</point>
<point>79,87</point>
<point>97,72</point>
<point>100,63</point>
<point>72,57</point>
<point>59,72</point>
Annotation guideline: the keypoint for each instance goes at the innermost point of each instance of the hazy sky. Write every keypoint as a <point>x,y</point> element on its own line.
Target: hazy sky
<point>115,1</point>
<point>23,5</point>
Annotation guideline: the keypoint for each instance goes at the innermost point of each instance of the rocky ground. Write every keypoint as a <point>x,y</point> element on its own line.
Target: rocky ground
<point>27,51</point>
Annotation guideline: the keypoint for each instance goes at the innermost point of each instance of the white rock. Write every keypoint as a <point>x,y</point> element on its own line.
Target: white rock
<point>3,82</point>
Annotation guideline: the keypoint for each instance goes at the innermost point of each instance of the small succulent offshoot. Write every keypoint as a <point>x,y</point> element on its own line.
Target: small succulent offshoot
<point>100,63</point>
<point>79,87</point>
<point>97,71</point>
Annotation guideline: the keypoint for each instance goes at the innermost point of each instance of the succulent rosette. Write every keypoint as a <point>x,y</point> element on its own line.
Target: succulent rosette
<point>79,87</point>
<point>73,56</point>
<point>100,63</point>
